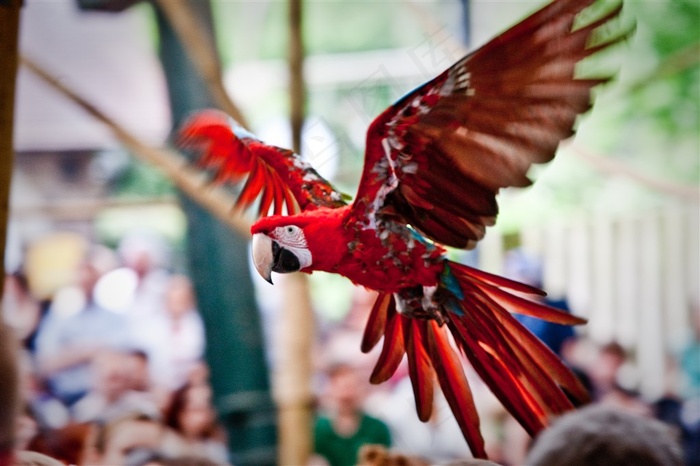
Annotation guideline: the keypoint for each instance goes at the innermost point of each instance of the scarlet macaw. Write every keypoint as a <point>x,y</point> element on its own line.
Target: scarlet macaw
<point>434,162</point>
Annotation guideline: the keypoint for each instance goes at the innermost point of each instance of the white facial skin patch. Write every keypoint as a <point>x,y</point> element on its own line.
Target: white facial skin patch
<point>292,238</point>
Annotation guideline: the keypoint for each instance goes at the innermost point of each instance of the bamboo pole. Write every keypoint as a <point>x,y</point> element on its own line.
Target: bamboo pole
<point>9,29</point>
<point>296,327</point>
<point>9,380</point>
<point>172,164</point>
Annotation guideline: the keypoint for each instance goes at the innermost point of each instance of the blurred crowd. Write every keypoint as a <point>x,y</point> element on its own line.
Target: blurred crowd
<point>112,373</point>
<point>111,366</point>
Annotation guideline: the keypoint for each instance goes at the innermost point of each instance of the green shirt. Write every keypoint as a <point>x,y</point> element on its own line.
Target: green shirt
<point>342,451</point>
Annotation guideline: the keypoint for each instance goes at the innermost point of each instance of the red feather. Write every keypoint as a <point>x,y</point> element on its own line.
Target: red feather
<point>376,321</point>
<point>455,387</point>
<point>233,154</point>
<point>420,369</point>
<point>393,349</point>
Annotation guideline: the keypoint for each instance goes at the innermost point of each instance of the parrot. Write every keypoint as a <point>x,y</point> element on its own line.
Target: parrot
<point>434,163</point>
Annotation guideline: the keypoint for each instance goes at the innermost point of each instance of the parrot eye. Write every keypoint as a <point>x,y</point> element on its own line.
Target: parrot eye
<point>291,235</point>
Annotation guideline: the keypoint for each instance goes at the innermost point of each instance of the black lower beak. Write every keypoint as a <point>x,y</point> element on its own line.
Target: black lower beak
<point>284,260</point>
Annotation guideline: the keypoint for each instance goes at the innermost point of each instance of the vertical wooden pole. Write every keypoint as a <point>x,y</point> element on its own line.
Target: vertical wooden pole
<point>491,252</point>
<point>580,271</point>
<point>627,303</point>
<point>602,319</point>
<point>675,295</point>
<point>296,321</point>
<point>650,350</point>
<point>9,28</point>
<point>555,259</point>
<point>297,91</point>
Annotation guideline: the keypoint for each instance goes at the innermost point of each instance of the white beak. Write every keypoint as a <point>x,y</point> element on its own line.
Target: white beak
<point>262,255</point>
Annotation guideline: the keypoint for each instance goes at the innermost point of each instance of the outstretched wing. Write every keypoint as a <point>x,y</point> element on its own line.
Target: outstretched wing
<point>437,158</point>
<point>279,177</point>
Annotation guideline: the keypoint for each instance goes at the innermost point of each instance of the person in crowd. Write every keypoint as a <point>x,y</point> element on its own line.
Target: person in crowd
<point>155,459</point>
<point>26,429</point>
<point>344,428</point>
<point>605,369</point>
<point>609,385</point>
<point>377,455</point>
<point>174,339</point>
<point>42,406</point>
<point>137,369</point>
<point>136,289</point>
<point>605,436</point>
<point>111,395</point>
<point>117,442</point>
<point>67,345</point>
<point>192,417</point>
<point>67,444</point>
<point>20,310</point>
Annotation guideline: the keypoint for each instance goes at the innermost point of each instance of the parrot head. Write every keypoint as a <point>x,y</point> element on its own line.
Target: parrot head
<point>281,249</point>
<point>302,242</point>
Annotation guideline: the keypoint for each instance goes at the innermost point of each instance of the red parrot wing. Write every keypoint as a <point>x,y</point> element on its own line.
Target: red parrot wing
<point>278,177</point>
<point>437,158</point>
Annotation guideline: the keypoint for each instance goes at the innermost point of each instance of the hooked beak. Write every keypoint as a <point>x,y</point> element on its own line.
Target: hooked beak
<point>269,256</point>
<point>262,255</point>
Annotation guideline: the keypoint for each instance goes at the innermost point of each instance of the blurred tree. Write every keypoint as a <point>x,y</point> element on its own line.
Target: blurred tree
<point>219,269</point>
<point>219,265</point>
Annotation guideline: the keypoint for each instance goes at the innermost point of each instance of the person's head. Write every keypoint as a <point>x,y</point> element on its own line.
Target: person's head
<point>113,442</point>
<point>378,455</point>
<point>190,412</point>
<point>143,252</point>
<point>179,461</point>
<point>346,389</point>
<point>86,277</point>
<point>111,376</point>
<point>179,296</point>
<point>603,436</point>
<point>604,370</point>
<point>136,363</point>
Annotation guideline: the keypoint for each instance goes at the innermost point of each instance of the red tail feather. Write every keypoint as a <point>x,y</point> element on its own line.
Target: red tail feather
<point>376,321</point>
<point>420,369</point>
<point>392,350</point>
<point>525,375</point>
<point>455,387</point>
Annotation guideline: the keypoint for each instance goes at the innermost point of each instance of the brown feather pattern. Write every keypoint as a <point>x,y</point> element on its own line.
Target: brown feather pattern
<point>479,126</point>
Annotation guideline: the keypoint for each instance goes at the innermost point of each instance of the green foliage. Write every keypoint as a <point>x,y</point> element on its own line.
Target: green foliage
<point>258,30</point>
<point>141,180</point>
